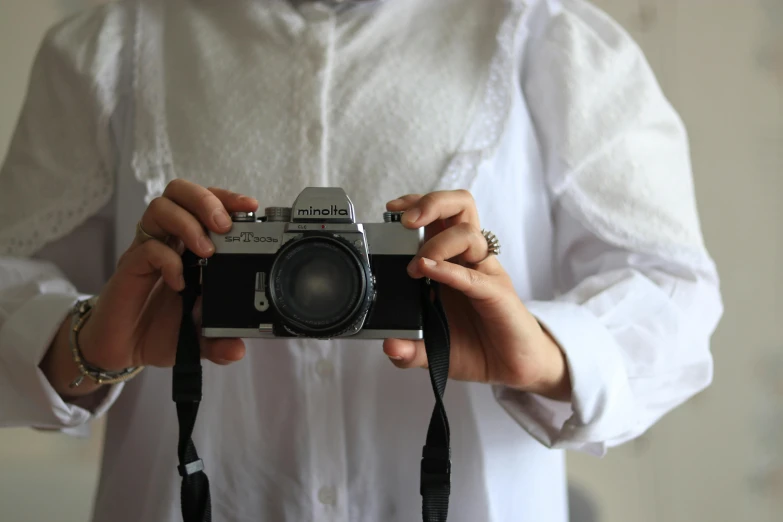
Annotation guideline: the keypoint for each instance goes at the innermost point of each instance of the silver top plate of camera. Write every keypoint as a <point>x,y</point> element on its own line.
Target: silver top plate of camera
<point>326,209</point>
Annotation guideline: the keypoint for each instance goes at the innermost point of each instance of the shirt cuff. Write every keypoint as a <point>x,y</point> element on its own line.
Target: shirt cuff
<point>28,397</point>
<point>601,393</point>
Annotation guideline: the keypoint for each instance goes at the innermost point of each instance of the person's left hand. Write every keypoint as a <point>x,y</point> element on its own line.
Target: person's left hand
<point>494,339</point>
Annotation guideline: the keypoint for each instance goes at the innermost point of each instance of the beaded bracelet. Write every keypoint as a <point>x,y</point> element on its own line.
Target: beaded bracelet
<point>81,312</point>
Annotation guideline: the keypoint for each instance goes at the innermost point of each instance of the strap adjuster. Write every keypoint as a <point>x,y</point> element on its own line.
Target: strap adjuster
<point>190,468</point>
<point>435,469</point>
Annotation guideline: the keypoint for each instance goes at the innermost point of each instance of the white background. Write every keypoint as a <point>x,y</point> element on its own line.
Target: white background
<point>719,458</point>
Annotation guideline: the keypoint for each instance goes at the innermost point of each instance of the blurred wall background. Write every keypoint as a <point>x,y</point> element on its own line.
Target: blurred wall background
<point>719,458</point>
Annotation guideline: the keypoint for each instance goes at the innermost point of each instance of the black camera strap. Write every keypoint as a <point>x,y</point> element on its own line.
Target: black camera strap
<point>435,485</point>
<point>186,391</point>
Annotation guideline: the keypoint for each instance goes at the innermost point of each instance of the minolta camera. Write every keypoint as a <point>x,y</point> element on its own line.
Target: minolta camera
<point>312,271</point>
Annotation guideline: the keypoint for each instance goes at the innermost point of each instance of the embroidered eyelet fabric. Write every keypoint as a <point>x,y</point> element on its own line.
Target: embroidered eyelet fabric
<point>322,88</point>
<point>59,169</point>
<point>354,97</point>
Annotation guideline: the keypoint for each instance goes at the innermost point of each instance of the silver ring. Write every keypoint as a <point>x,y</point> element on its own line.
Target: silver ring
<point>493,244</point>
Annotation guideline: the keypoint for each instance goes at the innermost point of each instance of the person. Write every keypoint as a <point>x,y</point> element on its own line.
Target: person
<point>538,120</point>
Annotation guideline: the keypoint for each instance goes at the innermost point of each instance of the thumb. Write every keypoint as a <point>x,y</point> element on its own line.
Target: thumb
<point>405,353</point>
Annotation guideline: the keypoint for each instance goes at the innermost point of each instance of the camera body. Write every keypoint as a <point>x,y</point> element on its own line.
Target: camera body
<point>311,270</point>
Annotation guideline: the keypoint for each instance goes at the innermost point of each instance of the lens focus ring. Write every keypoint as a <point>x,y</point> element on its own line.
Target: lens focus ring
<point>320,285</point>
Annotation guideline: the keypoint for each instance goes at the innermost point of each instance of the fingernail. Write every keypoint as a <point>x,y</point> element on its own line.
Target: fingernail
<point>221,218</point>
<point>412,215</point>
<point>428,262</point>
<point>395,201</point>
<point>395,357</point>
<point>205,245</point>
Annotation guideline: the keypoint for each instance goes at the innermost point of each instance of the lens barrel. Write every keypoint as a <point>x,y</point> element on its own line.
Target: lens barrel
<point>320,285</point>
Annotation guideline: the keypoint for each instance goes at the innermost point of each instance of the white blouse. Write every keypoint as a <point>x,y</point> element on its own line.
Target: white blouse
<point>545,110</point>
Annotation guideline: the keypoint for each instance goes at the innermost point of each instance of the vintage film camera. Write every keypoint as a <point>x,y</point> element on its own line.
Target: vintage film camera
<point>312,271</point>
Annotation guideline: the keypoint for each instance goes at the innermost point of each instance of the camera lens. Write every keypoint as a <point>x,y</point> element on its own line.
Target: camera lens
<point>319,286</point>
<point>320,283</point>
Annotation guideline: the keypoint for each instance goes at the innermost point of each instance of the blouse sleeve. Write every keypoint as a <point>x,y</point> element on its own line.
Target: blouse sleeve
<point>56,183</point>
<point>638,296</point>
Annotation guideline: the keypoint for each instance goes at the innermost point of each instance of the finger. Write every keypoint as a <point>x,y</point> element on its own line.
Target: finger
<point>405,353</point>
<point>463,241</point>
<point>219,351</point>
<point>211,207</point>
<point>403,203</point>
<point>455,205</point>
<point>151,260</point>
<point>165,218</point>
<point>222,351</point>
<point>233,201</point>
<point>139,271</point>
<point>472,283</point>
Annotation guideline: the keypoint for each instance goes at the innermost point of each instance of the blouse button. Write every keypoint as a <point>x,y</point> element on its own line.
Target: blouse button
<point>327,495</point>
<point>324,368</point>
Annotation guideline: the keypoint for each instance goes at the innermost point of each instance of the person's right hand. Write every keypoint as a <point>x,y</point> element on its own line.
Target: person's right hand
<point>136,321</point>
